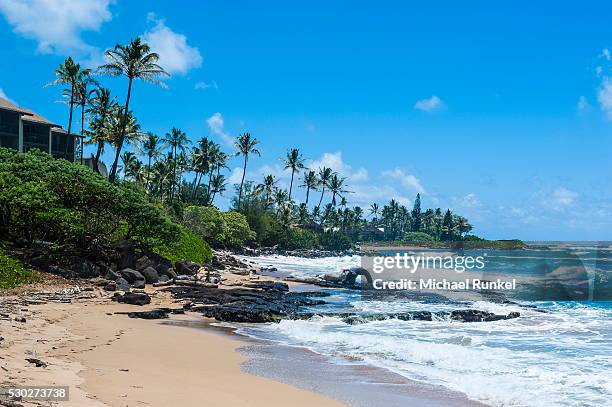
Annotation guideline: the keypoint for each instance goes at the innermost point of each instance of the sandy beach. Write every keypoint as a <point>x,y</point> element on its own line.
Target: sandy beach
<point>112,360</point>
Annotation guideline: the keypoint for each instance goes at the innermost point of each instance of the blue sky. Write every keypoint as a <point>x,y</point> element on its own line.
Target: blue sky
<point>501,112</point>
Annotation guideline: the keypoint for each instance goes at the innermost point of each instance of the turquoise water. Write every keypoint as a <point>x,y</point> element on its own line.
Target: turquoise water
<point>557,354</point>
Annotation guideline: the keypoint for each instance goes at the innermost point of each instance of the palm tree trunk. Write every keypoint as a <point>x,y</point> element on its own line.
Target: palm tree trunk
<point>291,184</point>
<point>173,172</point>
<point>113,173</point>
<point>97,157</point>
<point>242,181</point>
<point>193,188</point>
<point>307,193</point>
<point>82,127</point>
<point>148,173</point>
<point>70,117</point>
<point>321,199</point>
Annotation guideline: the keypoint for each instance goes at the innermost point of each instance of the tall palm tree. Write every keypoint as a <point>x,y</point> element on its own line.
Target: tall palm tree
<point>101,107</point>
<point>134,61</point>
<point>218,185</point>
<point>201,161</point>
<point>70,73</point>
<point>310,182</point>
<point>294,162</point>
<point>246,146</point>
<point>83,96</point>
<point>177,141</point>
<point>120,122</point>
<point>151,148</point>
<point>325,175</point>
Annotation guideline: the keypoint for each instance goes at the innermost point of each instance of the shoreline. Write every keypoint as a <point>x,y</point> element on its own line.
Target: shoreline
<point>113,360</point>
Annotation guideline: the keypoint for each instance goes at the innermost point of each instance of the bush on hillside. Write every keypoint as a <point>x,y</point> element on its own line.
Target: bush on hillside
<point>188,247</point>
<point>43,199</point>
<point>227,229</point>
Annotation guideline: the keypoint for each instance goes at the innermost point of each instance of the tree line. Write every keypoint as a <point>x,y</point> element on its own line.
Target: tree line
<point>177,173</point>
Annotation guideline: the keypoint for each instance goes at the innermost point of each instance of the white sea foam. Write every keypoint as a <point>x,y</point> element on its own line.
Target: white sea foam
<point>560,357</point>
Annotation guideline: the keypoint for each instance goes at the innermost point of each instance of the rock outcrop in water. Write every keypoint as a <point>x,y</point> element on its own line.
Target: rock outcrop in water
<point>269,301</point>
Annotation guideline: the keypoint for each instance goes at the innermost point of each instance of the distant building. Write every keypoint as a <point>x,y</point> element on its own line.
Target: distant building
<point>22,129</point>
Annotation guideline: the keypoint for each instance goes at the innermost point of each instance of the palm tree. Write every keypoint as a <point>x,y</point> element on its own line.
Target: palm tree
<point>70,73</point>
<point>336,187</point>
<point>134,61</point>
<point>83,97</point>
<point>151,148</point>
<point>129,160</point>
<point>280,199</point>
<point>267,187</point>
<point>217,185</point>
<point>176,140</point>
<point>325,175</point>
<point>246,146</point>
<point>101,107</point>
<point>200,163</point>
<point>311,181</point>
<point>120,122</point>
<point>374,209</point>
<point>295,163</point>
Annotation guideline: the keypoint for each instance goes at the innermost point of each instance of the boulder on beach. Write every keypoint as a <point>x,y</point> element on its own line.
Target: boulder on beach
<point>132,298</point>
<point>150,275</point>
<point>186,268</point>
<point>131,275</point>
<point>123,284</point>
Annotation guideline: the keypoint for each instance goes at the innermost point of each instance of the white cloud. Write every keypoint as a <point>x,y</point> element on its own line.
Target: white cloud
<point>205,85</point>
<point>409,181</point>
<point>469,201</point>
<point>560,198</point>
<point>57,25</point>
<point>175,55</point>
<point>604,96</point>
<point>4,96</point>
<point>335,162</point>
<point>605,53</point>
<point>217,128</point>
<point>583,104</point>
<point>429,105</point>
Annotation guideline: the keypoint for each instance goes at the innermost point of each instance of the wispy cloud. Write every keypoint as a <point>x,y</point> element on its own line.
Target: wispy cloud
<point>216,124</point>
<point>206,85</point>
<point>175,54</point>
<point>430,105</point>
<point>560,198</point>
<point>407,180</point>
<point>604,96</point>
<point>336,163</point>
<point>57,25</point>
<point>583,104</point>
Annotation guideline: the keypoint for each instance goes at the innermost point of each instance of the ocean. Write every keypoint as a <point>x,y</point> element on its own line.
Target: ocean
<point>557,353</point>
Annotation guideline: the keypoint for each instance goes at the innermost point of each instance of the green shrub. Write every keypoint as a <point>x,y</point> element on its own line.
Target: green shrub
<point>473,238</point>
<point>13,273</point>
<point>227,229</point>
<point>237,231</point>
<point>418,237</point>
<point>335,241</point>
<point>54,200</point>
<point>188,247</point>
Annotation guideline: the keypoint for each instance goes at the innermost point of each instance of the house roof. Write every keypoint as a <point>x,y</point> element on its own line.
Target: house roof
<point>29,115</point>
